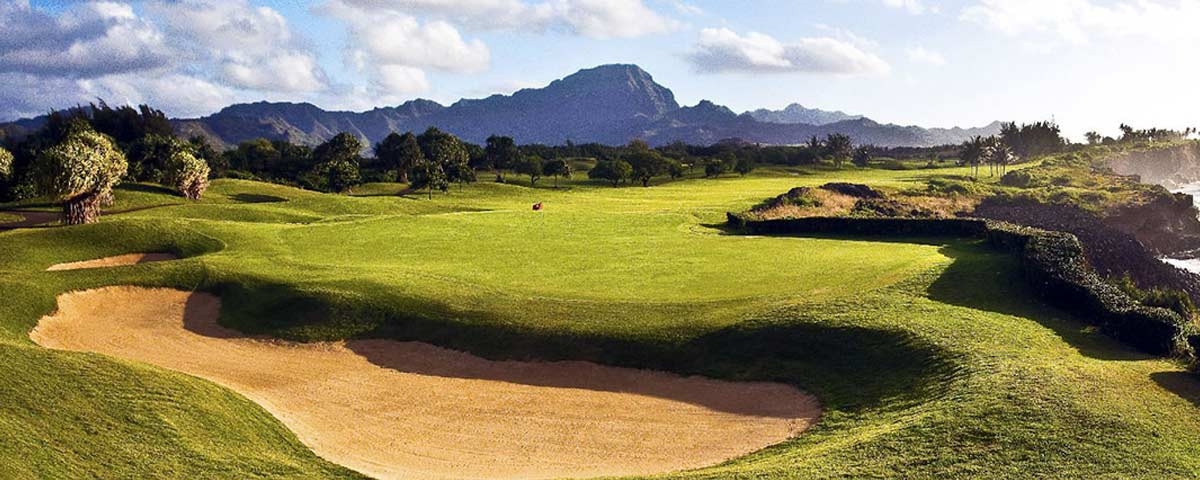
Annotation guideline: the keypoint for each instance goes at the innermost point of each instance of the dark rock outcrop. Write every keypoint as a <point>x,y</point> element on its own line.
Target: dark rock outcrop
<point>1111,250</point>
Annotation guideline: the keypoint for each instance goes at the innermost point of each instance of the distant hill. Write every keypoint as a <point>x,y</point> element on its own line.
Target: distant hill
<point>796,113</point>
<point>610,104</point>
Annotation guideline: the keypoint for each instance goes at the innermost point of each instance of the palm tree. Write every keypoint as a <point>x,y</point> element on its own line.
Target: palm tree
<point>972,153</point>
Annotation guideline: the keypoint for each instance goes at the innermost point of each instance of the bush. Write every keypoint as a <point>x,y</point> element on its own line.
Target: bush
<point>798,197</point>
<point>853,190</point>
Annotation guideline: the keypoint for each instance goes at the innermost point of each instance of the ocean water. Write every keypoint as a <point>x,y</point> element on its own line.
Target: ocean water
<point>1189,264</point>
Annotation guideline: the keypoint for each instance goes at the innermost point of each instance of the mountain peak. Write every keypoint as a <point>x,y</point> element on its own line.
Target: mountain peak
<point>799,114</point>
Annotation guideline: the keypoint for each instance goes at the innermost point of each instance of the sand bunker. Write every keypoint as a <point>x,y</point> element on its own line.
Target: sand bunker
<point>117,261</point>
<point>410,410</point>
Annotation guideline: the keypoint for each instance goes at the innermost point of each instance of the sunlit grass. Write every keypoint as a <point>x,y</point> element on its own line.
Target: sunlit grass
<point>929,356</point>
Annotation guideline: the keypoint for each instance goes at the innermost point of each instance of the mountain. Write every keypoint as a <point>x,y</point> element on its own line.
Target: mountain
<point>610,104</point>
<point>796,113</point>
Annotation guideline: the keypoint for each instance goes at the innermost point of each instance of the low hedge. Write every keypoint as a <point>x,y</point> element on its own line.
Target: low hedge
<point>1053,263</point>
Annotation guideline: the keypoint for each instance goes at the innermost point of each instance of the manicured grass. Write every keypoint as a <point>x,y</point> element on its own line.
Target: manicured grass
<point>929,355</point>
<point>9,218</point>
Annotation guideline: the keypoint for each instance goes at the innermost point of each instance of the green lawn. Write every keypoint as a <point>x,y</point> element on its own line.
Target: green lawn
<point>929,355</point>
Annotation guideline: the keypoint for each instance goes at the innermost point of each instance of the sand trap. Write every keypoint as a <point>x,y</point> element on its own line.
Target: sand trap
<point>117,261</point>
<point>410,410</point>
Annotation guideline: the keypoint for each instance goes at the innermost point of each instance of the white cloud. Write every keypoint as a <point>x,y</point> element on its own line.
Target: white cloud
<point>1077,21</point>
<point>187,57</point>
<point>400,79</point>
<point>393,49</point>
<point>723,50</point>
<point>921,54</point>
<point>252,46</point>
<point>915,7</point>
<point>687,8</point>
<point>591,18</point>
<point>94,38</point>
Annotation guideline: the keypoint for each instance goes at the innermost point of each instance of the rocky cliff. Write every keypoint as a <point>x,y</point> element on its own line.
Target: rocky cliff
<point>1172,167</point>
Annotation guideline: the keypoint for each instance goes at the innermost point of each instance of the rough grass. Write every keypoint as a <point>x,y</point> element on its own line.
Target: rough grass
<point>928,355</point>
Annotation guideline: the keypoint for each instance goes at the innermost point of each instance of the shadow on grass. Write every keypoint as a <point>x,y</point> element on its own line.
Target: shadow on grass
<point>147,188</point>
<point>1185,385</point>
<point>849,368</point>
<point>256,198</point>
<point>983,279</point>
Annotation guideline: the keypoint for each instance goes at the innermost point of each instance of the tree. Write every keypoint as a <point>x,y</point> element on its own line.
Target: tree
<point>459,171</point>
<point>715,167</point>
<point>530,165</point>
<point>429,175</point>
<point>341,175</point>
<point>80,172</point>
<point>217,163</point>
<point>838,147</point>
<point>997,154</point>
<point>6,164</point>
<point>557,168</point>
<point>676,169</point>
<point>862,156</point>
<point>148,156</point>
<point>337,162</point>
<point>1094,138</point>
<point>744,166</point>
<point>449,154</point>
<point>613,171</point>
<point>399,153</point>
<point>972,153</point>
<point>1036,139</point>
<point>645,163</point>
<point>501,153</point>
<point>188,174</point>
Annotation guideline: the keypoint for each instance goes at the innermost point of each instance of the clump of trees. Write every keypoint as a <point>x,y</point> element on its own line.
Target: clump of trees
<point>399,154</point>
<point>611,171</point>
<point>80,172</point>
<point>1032,140</point>
<point>1015,143</point>
<point>557,169</point>
<point>188,174</point>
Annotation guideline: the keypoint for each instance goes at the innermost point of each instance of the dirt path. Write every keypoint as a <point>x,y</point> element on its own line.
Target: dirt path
<point>117,261</point>
<point>29,219</point>
<point>410,410</point>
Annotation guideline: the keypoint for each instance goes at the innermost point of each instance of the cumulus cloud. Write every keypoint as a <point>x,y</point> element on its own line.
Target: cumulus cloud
<point>393,48</point>
<point>1077,21</point>
<point>253,47</point>
<point>591,18</point>
<point>723,50</point>
<point>187,57</point>
<point>90,39</point>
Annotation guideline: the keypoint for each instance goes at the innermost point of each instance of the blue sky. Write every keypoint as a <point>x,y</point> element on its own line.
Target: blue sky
<point>1090,64</point>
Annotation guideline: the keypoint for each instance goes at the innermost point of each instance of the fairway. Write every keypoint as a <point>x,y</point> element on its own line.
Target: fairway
<point>928,355</point>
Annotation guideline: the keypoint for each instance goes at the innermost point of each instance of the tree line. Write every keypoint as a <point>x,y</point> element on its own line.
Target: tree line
<point>1015,143</point>
<point>79,155</point>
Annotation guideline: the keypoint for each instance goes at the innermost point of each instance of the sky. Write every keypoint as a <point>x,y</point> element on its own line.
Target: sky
<point>1087,64</point>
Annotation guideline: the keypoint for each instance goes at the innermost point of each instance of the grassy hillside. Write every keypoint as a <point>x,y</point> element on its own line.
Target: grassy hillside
<point>928,354</point>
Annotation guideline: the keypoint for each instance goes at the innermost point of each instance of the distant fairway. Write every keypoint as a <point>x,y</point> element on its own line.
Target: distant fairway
<point>928,356</point>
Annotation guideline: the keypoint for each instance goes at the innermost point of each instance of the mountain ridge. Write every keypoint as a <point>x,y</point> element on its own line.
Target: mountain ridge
<point>609,104</point>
